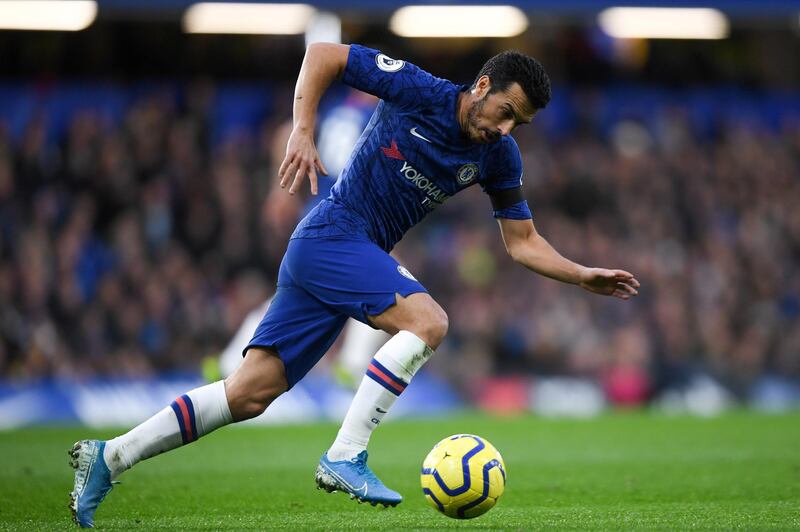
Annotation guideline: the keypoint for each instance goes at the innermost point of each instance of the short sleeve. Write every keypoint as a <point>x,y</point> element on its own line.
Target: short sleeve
<point>393,80</point>
<point>505,171</point>
<point>518,211</point>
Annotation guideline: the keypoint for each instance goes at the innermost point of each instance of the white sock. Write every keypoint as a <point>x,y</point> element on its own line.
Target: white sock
<point>194,414</point>
<point>388,374</point>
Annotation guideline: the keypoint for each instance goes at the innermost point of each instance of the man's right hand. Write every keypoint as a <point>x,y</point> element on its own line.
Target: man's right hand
<point>301,159</point>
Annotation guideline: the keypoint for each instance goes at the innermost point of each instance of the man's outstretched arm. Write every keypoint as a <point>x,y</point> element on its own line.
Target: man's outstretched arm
<point>323,63</point>
<point>530,249</point>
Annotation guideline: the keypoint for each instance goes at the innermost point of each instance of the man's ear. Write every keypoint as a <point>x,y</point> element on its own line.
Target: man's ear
<point>482,86</point>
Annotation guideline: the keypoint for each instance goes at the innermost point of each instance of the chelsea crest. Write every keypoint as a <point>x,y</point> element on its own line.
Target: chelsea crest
<point>467,173</point>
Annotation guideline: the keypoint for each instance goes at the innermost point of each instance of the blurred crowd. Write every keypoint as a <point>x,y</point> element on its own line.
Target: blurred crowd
<point>134,247</point>
<point>710,228</point>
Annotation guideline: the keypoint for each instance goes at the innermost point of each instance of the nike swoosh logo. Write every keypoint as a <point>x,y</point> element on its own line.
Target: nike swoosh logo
<point>414,132</point>
<point>364,487</point>
<point>379,410</point>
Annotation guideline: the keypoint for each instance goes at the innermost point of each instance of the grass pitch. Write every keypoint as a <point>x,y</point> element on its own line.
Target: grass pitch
<point>623,471</point>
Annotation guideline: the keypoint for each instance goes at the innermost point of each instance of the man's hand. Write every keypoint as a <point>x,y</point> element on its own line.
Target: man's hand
<point>617,283</point>
<point>301,159</point>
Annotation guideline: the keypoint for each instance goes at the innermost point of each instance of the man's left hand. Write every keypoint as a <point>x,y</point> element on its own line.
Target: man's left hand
<point>617,283</point>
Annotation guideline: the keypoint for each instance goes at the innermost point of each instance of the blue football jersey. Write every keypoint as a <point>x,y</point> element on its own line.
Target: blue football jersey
<point>411,157</point>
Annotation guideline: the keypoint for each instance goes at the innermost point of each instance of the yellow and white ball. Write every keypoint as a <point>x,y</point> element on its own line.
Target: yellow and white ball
<point>463,476</point>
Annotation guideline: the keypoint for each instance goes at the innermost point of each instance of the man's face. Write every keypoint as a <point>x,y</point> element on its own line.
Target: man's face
<point>494,115</point>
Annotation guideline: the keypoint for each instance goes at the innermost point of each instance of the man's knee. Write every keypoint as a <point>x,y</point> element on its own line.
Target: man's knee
<point>436,326</point>
<point>430,323</point>
<point>417,313</point>
<point>258,381</point>
<point>251,405</point>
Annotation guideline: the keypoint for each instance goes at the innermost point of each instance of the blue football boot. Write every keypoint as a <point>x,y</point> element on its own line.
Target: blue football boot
<point>355,477</point>
<point>92,480</point>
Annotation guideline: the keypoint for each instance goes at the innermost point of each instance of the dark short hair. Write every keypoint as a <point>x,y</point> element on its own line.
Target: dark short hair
<point>507,67</point>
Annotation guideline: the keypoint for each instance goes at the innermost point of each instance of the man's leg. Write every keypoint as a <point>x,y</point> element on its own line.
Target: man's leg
<point>245,394</point>
<point>418,324</point>
<point>357,278</point>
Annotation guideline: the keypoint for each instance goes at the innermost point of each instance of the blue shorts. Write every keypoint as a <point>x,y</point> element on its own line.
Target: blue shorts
<point>321,283</point>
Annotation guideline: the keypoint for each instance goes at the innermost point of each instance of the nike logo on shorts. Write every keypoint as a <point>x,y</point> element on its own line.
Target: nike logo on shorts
<point>414,132</point>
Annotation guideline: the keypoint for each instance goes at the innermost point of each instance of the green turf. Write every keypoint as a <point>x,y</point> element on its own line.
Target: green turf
<point>636,471</point>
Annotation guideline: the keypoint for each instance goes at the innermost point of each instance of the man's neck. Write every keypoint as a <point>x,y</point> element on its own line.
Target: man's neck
<point>462,108</point>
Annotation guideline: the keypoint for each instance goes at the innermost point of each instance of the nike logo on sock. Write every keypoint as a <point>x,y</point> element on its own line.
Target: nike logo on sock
<point>380,410</point>
<point>414,132</point>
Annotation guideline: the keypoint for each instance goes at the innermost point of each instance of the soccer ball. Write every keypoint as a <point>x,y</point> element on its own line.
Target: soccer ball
<point>463,476</point>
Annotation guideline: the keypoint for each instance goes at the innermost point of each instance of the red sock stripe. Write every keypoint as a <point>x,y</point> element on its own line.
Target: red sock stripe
<point>385,378</point>
<point>190,432</point>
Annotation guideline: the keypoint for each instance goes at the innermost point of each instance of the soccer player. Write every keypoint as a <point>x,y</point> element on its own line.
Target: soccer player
<point>427,140</point>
